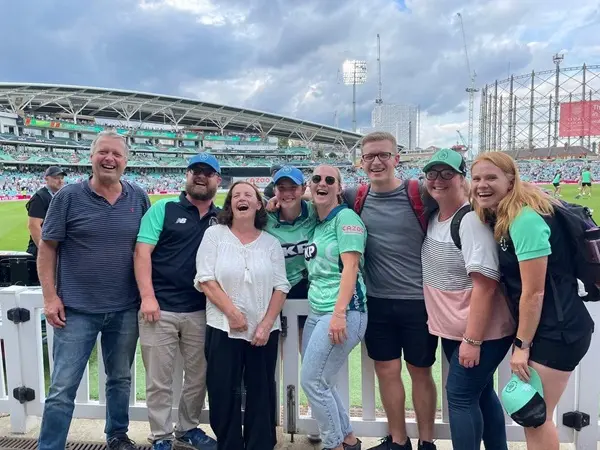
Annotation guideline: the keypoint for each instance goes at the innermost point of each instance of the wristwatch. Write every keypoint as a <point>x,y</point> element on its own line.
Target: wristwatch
<point>522,344</point>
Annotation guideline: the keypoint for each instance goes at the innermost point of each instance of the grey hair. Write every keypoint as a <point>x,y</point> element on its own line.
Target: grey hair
<point>109,133</point>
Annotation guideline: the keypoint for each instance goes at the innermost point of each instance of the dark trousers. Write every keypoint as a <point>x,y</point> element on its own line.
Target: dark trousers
<point>228,362</point>
<point>474,408</point>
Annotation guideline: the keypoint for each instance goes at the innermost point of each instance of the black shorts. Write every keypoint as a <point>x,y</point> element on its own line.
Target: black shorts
<point>586,184</point>
<point>395,326</point>
<point>299,292</point>
<point>559,355</point>
<point>556,185</point>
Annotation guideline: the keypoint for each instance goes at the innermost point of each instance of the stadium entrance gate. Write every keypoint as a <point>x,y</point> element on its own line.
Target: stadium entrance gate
<point>26,346</point>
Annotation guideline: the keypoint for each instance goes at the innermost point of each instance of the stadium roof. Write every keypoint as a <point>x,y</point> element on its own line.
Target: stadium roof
<point>121,105</point>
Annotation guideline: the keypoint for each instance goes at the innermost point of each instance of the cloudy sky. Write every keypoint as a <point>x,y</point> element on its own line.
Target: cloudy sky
<point>284,56</point>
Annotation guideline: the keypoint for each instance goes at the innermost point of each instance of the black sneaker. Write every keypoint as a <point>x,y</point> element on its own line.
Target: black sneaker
<point>121,443</point>
<point>388,444</point>
<point>356,446</point>
<point>427,445</point>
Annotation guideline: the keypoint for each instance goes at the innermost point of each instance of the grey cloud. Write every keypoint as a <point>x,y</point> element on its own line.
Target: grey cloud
<point>114,43</point>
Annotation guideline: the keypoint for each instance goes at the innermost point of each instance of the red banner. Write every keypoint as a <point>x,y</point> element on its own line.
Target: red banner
<point>579,119</point>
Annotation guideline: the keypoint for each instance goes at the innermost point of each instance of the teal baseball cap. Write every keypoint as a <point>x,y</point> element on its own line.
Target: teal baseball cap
<point>448,157</point>
<point>524,401</point>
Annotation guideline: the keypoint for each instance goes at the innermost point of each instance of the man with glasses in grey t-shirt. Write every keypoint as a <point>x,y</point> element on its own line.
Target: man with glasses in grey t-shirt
<point>397,320</point>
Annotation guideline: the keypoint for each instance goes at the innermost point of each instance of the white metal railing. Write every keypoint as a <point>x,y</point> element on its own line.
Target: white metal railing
<point>25,352</point>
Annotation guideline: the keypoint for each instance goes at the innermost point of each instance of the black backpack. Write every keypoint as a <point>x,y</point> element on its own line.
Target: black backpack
<point>455,225</point>
<point>580,229</point>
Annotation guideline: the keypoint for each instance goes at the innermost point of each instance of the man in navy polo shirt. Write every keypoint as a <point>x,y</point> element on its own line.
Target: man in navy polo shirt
<point>85,266</point>
<point>172,315</point>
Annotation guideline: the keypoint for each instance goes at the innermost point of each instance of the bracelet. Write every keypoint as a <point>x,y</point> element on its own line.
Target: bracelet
<point>472,341</point>
<point>339,315</point>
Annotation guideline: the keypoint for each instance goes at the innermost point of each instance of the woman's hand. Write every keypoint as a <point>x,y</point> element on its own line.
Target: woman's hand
<point>519,363</point>
<point>263,331</point>
<point>468,355</point>
<point>237,320</point>
<point>337,328</point>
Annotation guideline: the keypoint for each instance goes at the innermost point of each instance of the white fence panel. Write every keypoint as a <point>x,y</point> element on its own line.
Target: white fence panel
<point>582,393</point>
<point>24,353</point>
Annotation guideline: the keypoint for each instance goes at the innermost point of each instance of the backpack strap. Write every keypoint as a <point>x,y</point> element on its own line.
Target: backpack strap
<point>361,196</point>
<point>455,225</point>
<point>413,192</point>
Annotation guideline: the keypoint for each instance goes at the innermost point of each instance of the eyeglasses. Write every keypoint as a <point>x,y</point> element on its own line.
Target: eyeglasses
<point>207,172</point>
<point>328,179</point>
<point>383,156</point>
<point>446,174</point>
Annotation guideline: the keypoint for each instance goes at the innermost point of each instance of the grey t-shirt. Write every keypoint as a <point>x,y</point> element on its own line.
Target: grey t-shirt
<point>394,239</point>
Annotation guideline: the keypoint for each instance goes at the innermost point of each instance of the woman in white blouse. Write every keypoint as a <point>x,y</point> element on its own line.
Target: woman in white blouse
<point>241,269</point>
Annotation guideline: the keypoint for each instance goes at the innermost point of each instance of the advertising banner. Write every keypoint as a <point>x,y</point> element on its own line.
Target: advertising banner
<point>259,182</point>
<point>579,119</point>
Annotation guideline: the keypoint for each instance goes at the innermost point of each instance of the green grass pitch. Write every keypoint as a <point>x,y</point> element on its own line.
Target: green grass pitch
<point>14,236</point>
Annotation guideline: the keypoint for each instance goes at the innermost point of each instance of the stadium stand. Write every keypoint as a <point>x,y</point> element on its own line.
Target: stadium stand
<point>158,156</point>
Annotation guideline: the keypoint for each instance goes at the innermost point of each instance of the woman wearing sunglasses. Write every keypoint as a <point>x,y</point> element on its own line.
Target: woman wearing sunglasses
<point>338,312</point>
<point>465,306</point>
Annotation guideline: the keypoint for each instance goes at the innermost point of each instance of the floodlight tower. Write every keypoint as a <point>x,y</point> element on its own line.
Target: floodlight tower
<point>354,72</point>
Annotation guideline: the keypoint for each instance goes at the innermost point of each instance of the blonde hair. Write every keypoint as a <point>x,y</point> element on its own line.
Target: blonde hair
<point>522,194</point>
<point>112,134</point>
<point>338,176</point>
<point>377,136</point>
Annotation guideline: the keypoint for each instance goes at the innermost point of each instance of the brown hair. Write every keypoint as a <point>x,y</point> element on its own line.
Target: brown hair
<point>521,195</point>
<point>225,217</point>
<point>377,136</point>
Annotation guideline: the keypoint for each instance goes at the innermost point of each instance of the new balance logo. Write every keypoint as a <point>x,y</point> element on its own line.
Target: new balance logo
<point>181,220</point>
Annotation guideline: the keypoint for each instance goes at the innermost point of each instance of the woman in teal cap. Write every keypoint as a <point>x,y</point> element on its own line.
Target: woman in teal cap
<point>465,306</point>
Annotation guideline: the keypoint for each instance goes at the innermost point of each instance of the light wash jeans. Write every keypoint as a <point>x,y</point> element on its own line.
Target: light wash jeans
<point>321,365</point>
<point>73,345</point>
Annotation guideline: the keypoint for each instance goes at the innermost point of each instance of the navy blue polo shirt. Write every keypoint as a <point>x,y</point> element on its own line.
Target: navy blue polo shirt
<point>175,228</point>
<point>96,244</point>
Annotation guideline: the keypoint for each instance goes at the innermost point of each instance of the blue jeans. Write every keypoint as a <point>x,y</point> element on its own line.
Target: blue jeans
<point>73,345</point>
<point>321,364</point>
<point>475,411</point>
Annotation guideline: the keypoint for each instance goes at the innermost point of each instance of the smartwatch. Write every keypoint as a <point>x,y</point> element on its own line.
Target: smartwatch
<point>522,344</point>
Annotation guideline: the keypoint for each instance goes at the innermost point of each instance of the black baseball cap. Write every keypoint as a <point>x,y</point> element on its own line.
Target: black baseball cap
<point>54,171</point>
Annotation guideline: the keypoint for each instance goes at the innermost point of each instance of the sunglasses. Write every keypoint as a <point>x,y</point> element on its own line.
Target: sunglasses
<point>328,179</point>
<point>207,172</point>
<point>446,174</point>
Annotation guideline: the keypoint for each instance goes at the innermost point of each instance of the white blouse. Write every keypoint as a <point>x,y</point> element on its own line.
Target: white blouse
<point>248,274</point>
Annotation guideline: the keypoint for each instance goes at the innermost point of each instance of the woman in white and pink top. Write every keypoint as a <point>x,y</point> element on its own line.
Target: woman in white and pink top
<point>465,305</point>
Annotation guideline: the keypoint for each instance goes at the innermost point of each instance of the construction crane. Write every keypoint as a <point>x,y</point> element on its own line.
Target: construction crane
<point>471,90</point>
<point>462,139</point>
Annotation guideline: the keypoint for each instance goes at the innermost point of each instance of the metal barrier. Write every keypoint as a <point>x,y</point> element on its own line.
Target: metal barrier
<point>21,330</point>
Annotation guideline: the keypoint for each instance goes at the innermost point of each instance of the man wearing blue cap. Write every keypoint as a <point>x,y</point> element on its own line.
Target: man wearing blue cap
<point>172,314</point>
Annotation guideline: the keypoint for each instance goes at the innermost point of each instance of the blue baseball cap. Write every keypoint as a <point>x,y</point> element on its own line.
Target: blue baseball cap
<point>290,172</point>
<point>205,158</point>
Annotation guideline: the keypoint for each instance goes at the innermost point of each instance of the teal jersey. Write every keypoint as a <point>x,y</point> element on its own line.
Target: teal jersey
<point>556,179</point>
<point>294,238</point>
<point>340,232</point>
<point>586,176</point>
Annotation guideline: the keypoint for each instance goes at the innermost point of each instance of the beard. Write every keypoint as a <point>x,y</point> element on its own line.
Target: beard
<point>201,193</point>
